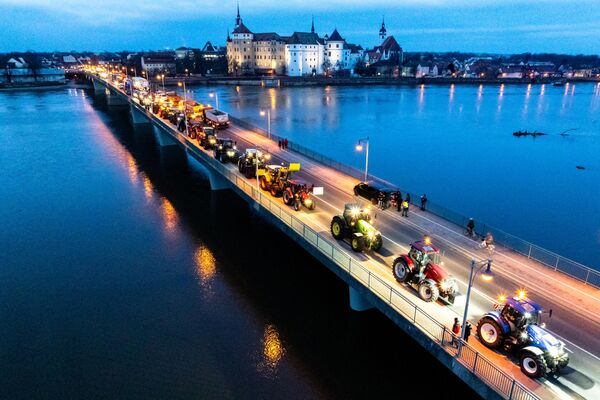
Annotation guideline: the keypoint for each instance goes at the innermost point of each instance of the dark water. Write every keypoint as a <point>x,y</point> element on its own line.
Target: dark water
<point>455,143</point>
<point>123,276</point>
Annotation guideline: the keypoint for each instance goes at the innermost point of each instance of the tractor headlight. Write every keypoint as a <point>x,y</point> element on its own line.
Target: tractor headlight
<point>447,284</point>
<point>553,351</point>
<point>230,153</point>
<point>308,202</point>
<point>355,211</point>
<point>213,141</point>
<point>370,234</point>
<point>523,335</point>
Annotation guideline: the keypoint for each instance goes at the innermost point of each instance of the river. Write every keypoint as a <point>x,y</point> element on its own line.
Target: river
<point>455,143</point>
<point>123,276</point>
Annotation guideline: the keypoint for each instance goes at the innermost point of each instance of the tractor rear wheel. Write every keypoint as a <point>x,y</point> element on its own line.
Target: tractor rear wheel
<point>274,190</point>
<point>400,269</point>
<point>490,333</point>
<point>533,365</point>
<point>338,227</point>
<point>428,291</point>
<point>297,205</point>
<point>287,197</point>
<point>357,243</point>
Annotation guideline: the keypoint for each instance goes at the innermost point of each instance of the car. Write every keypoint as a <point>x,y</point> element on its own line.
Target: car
<point>354,226</point>
<point>372,191</point>
<point>421,268</point>
<point>515,327</point>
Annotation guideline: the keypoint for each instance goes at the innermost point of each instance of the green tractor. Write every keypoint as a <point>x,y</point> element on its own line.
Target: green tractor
<point>354,227</point>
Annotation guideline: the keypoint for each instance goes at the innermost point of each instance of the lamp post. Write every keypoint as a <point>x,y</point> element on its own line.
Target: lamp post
<point>184,107</point>
<point>216,96</point>
<point>487,276</point>
<point>268,114</point>
<point>134,70</point>
<point>163,80</point>
<point>359,147</point>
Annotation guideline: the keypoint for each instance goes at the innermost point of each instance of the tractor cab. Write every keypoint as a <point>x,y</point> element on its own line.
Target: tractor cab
<point>354,213</point>
<point>277,172</point>
<point>520,312</point>
<point>226,143</point>
<point>423,252</point>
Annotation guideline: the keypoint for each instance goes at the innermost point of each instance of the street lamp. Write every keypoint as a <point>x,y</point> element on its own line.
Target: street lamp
<point>134,70</point>
<point>487,276</point>
<point>163,80</point>
<point>359,147</point>
<point>184,107</point>
<point>268,114</point>
<point>216,96</point>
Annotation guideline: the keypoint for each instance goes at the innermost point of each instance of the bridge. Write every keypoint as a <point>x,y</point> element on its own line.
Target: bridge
<point>568,288</point>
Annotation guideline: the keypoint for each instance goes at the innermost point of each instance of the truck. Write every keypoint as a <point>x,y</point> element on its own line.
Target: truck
<point>421,268</point>
<point>354,226</point>
<point>216,118</point>
<point>515,327</point>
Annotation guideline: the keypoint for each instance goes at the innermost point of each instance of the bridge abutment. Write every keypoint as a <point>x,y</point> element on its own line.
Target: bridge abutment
<point>357,301</point>
<point>98,87</point>
<point>217,181</point>
<point>163,138</point>
<point>113,99</point>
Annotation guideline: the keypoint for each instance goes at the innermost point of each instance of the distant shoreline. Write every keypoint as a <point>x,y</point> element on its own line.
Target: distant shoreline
<point>37,85</point>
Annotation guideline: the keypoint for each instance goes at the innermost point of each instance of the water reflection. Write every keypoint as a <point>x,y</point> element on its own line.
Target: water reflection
<point>169,215</point>
<point>206,267</point>
<point>273,352</point>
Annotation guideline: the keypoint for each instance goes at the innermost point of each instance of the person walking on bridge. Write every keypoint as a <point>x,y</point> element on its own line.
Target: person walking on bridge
<point>470,227</point>
<point>468,328</point>
<point>405,208</point>
<point>456,332</point>
<point>423,201</point>
<point>285,143</point>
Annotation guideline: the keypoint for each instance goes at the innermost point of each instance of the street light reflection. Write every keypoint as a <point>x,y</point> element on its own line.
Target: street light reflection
<point>169,215</point>
<point>205,265</point>
<point>273,351</point>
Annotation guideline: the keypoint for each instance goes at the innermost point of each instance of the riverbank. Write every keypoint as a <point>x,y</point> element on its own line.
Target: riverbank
<point>288,81</point>
<point>31,85</point>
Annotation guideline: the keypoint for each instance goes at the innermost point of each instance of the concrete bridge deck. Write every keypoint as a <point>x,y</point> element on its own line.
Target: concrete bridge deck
<point>576,305</point>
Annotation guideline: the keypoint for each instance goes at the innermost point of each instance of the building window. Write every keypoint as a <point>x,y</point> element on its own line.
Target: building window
<point>337,45</point>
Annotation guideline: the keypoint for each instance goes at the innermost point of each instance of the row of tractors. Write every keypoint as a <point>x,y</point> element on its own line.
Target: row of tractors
<point>514,326</point>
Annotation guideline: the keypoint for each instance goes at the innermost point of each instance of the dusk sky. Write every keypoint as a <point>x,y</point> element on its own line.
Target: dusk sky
<point>500,26</point>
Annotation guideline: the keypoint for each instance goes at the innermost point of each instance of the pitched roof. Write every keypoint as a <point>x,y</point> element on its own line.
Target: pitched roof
<point>335,36</point>
<point>265,37</point>
<point>209,47</point>
<point>241,28</point>
<point>304,38</point>
<point>390,44</point>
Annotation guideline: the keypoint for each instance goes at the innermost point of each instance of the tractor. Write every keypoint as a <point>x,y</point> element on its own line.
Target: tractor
<point>274,179</point>
<point>421,268</point>
<point>515,327</point>
<point>207,137</point>
<point>296,194</point>
<point>226,150</point>
<point>247,162</point>
<point>354,226</point>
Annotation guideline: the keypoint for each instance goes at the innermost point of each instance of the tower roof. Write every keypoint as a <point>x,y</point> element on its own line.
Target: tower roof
<point>335,36</point>
<point>241,28</point>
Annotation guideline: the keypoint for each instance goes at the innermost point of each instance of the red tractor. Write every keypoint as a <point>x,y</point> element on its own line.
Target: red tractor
<point>296,193</point>
<point>421,268</point>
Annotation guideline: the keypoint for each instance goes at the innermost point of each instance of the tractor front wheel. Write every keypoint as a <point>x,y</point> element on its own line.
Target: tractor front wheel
<point>263,183</point>
<point>400,269</point>
<point>428,291</point>
<point>490,333</point>
<point>297,205</point>
<point>287,197</point>
<point>533,365</point>
<point>274,190</point>
<point>357,243</point>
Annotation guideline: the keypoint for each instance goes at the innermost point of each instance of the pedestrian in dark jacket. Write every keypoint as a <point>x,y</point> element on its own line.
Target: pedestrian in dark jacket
<point>456,332</point>
<point>423,201</point>
<point>279,143</point>
<point>408,198</point>
<point>468,328</point>
<point>285,143</point>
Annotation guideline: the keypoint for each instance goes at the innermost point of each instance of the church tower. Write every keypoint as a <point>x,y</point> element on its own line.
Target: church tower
<point>382,31</point>
<point>238,19</point>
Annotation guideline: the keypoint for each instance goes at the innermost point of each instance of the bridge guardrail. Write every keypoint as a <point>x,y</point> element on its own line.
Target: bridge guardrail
<point>469,357</point>
<point>546,257</point>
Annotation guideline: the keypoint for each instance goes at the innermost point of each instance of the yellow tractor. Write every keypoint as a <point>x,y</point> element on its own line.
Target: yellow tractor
<point>274,177</point>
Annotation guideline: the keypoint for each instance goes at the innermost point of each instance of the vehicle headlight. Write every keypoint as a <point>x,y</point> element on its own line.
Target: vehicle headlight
<point>371,234</point>
<point>523,335</point>
<point>308,201</point>
<point>212,141</point>
<point>230,153</point>
<point>554,352</point>
<point>447,284</point>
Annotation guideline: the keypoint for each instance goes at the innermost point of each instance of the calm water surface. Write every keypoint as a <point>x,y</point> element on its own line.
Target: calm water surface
<point>123,276</point>
<point>455,143</point>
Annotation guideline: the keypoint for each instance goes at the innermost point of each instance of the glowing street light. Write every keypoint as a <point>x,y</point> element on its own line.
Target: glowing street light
<point>486,276</point>
<point>359,147</point>
<point>268,114</point>
<point>163,80</point>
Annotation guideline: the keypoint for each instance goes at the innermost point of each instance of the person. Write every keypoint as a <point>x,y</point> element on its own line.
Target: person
<point>285,143</point>
<point>455,331</point>
<point>468,328</point>
<point>399,201</point>
<point>408,198</point>
<point>405,208</point>
<point>470,227</point>
<point>489,239</point>
<point>423,201</point>
<point>381,200</point>
<point>279,143</point>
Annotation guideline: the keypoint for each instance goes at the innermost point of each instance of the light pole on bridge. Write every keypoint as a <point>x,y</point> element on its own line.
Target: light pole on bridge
<point>184,106</point>
<point>359,147</point>
<point>487,276</point>
<point>268,114</point>
<point>216,96</point>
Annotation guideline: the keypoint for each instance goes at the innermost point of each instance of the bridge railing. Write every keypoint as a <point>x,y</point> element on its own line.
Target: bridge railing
<point>546,257</point>
<point>469,357</point>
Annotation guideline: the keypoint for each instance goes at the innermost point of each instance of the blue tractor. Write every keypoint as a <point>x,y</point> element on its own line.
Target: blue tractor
<point>515,327</point>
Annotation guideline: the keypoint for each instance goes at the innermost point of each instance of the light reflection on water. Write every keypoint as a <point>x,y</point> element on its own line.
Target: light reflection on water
<point>206,267</point>
<point>273,352</point>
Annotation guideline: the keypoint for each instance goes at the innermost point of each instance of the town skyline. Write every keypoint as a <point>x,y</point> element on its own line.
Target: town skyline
<point>436,26</point>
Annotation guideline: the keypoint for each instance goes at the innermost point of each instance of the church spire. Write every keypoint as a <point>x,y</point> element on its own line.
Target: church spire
<point>312,28</point>
<point>238,19</point>
<point>382,31</point>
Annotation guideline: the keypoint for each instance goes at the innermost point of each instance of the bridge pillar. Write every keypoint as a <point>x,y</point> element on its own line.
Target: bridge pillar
<point>98,88</point>
<point>163,137</point>
<point>137,117</point>
<point>113,99</point>
<point>357,301</point>
<point>217,181</point>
